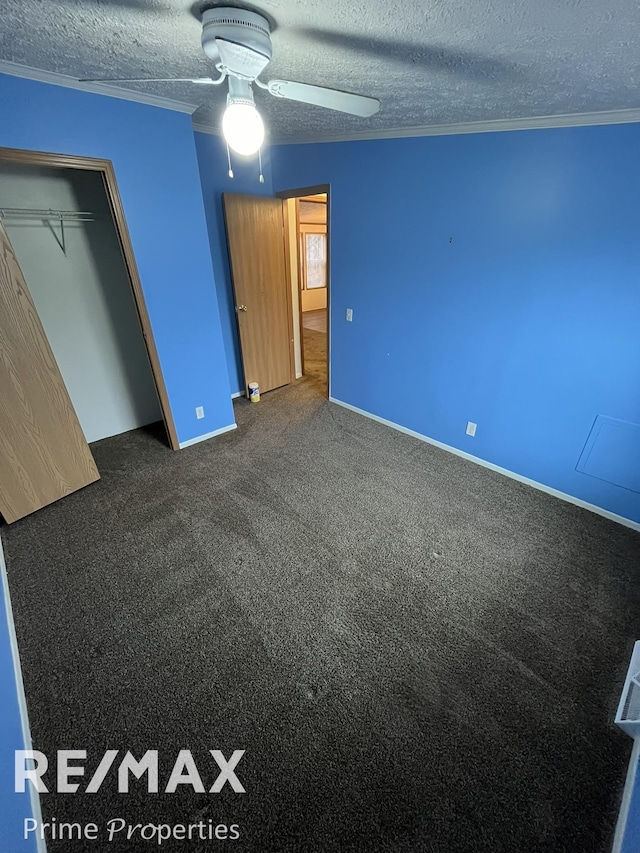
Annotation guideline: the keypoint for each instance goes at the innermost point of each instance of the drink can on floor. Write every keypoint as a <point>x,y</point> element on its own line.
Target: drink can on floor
<point>254,392</point>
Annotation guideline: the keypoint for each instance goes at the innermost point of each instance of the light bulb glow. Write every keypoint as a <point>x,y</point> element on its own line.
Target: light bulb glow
<point>243,128</point>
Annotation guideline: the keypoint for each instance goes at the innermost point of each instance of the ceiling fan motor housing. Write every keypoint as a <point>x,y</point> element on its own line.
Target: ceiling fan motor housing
<point>237,40</point>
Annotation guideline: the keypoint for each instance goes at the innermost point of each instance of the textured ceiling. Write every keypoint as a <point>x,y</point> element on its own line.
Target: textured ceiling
<point>430,62</point>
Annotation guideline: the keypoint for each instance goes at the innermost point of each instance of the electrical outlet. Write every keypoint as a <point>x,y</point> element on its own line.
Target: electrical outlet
<point>199,412</point>
<point>471,428</point>
<point>349,315</point>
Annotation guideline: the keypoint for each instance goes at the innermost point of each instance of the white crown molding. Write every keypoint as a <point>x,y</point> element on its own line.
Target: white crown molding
<point>206,128</point>
<point>493,126</point>
<point>217,131</point>
<point>16,70</point>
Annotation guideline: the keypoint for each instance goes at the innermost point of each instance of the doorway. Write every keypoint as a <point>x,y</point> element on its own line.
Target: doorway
<point>311,221</point>
<point>280,270</point>
<point>307,229</point>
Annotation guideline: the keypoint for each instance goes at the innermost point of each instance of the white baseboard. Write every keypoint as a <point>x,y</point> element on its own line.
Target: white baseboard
<point>620,519</point>
<point>207,435</point>
<point>34,797</point>
<point>627,793</point>
<point>237,394</point>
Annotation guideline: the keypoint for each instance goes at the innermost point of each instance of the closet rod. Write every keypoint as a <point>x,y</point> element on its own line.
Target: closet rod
<point>61,216</point>
<point>29,213</point>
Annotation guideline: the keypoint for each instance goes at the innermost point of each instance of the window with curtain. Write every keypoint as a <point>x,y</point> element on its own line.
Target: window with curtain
<point>313,250</point>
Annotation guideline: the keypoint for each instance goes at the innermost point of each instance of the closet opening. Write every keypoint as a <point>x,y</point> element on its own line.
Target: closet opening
<point>65,222</point>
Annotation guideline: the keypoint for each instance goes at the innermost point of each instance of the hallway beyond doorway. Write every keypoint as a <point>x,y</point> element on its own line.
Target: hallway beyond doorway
<point>314,344</point>
<point>316,320</point>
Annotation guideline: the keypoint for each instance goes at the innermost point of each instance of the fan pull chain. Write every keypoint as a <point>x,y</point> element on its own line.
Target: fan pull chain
<point>229,161</point>
<point>260,163</point>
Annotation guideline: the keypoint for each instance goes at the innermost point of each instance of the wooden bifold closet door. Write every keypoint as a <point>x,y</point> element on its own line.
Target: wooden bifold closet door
<point>43,452</point>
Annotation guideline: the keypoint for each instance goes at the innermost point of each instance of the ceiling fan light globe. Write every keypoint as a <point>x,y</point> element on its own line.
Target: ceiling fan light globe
<point>243,128</point>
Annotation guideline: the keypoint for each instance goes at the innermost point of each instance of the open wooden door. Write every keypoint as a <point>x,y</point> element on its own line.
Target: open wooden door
<point>43,452</point>
<point>255,235</point>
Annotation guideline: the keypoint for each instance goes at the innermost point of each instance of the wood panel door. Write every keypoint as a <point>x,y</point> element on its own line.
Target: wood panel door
<point>261,284</point>
<point>43,452</point>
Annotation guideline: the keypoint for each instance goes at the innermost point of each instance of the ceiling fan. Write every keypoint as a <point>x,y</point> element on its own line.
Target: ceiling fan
<point>238,41</point>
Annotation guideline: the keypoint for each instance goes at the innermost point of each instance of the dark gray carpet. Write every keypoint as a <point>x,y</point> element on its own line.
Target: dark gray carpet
<point>416,653</point>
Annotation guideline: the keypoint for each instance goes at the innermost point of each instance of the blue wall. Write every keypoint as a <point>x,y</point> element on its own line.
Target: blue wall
<point>154,157</point>
<point>14,807</point>
<point>214,172</point>
<point>493,278</point>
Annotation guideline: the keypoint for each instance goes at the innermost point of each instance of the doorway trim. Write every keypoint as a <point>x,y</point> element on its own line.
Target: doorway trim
<point>297,193</point>
<point>105,168</point>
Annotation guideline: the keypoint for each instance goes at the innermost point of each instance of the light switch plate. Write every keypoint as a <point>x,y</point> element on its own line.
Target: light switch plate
<point>471,428</point>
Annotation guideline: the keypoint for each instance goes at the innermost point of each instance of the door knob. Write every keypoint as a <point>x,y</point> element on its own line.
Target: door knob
<point>241,308</point>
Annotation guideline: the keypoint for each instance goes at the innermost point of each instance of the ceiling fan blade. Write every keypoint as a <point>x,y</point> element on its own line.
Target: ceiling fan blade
<point>201,80</point>
<point>452,60</point>
<point>141,5</point>
<point>332,99</point>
